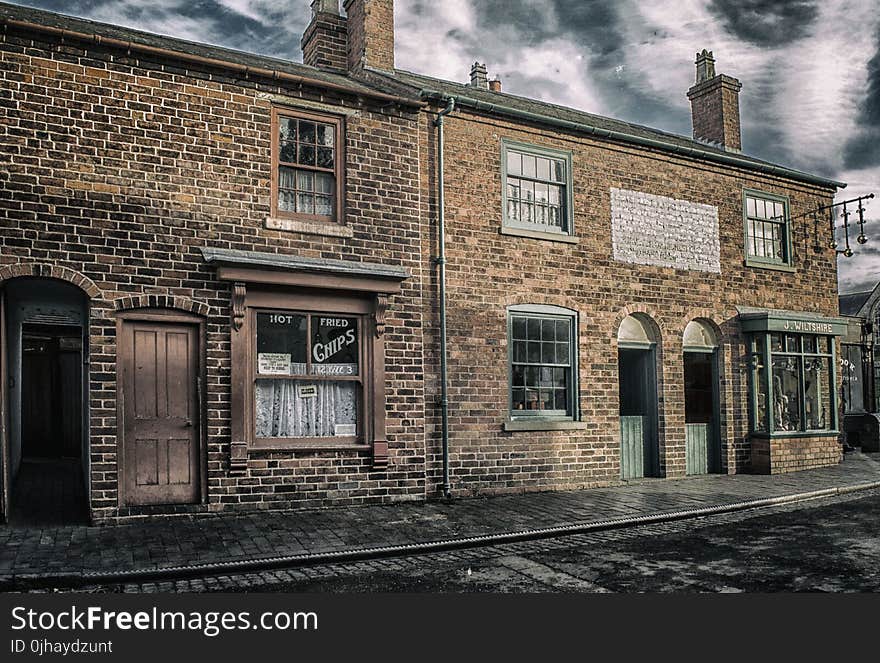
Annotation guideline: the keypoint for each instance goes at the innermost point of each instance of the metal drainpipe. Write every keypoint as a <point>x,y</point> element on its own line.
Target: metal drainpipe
<point>441,262</point>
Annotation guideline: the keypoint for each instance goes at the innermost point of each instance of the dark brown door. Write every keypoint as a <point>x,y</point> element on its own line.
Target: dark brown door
<point>160,444</point>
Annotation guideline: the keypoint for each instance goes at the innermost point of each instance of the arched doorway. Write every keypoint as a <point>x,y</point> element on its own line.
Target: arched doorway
<point>701,406</point>
<point>45,350</point>
<point>637,371</point>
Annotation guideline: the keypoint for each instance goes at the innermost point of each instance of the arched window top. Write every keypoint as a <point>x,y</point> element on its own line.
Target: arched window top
<point>635,332</point>
<point>699,336</point>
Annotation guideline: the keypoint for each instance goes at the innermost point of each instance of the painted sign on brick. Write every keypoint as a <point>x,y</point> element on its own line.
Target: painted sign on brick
<point>656,230</point>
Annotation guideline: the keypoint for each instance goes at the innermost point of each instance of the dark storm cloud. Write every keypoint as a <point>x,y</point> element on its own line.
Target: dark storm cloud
<point>766,22</point>
<point>863,149</point>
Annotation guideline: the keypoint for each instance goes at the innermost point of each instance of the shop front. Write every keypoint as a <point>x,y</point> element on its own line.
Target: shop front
<point>793,389</point>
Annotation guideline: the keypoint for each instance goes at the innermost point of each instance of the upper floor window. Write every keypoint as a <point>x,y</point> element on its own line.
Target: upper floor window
<point>767,229</point>
<point>537,188</point>
<point>306,166</point>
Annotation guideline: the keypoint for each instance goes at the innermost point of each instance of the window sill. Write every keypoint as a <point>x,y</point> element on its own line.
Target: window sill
<point>775,266</point>
<point>537,234</point>
<point>307,445</point>
<point>327,229</point>
<point>543,424</point>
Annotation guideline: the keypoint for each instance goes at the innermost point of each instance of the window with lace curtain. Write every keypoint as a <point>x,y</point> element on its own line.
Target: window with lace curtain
<point>308,382</point>
<point>306,163</point>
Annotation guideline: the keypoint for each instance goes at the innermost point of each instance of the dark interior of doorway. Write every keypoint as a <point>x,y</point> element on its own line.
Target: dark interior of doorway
<point>49,487</point>
<point>638,398</point>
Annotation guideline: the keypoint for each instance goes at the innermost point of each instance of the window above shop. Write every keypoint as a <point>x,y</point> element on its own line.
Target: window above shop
<point>767,230</point>
<point>306,166</point>
<point>536,191</point>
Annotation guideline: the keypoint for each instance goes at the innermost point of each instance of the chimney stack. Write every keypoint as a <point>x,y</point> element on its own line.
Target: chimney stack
<point>715,105</point>
<point>325,41</point>
<point>495,85</point>
<point>479,76</point>
<point>370,34</point>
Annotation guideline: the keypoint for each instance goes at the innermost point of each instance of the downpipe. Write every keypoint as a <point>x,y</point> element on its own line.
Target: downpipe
<point>440,260</point>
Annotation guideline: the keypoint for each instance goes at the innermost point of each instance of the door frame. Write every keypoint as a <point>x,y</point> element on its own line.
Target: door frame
<point>651,397</point>
<point>5,451</point>
<point>168,316</point>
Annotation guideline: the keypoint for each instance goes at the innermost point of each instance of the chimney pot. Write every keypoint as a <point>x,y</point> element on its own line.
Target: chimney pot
<point>479,76</point>
<point>325,7</point>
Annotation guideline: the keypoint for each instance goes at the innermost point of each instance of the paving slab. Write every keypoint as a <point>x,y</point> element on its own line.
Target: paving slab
<point>181,546</point>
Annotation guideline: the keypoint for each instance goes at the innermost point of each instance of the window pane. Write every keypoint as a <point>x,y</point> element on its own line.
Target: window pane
<point>809,344</point>
<point>281,343</point>
<point>518,376</point>
<point>543,169</point>
<point>326,135</point>
<point>554,195</point>
<point>306,154</point>
<point>759,384</point>
<point>548,353</point>
<point>548,330</point>
<point>324,183</point>
<point>533,375</point>
<point>559,171</point>
<point>529,167</point>
<point>288,152</point>
<point>519,328</point>
<point>534,329</point>
<point>334,345</point>
<point>562,353</point>
<point>534,354</point>
<point>778,210</point>
<point>792,343</point>
<point>775,342</point>
<point>305,203</point>
<point>562,329</point>
<point>299,408</point>
<point>286,129</point>
<point>514,163</point>
<point>519,351</point>
<point>786,397</point>
<point>760,208</point>
<point>305,180</point>
<point>817,392</point>
<point>560,377</point>
<point>824,344</point>
<point>519,399</point>
<point>542,192</point>
<point>750,207</point>
<point>323,206</point>
<point>286,178</point>
<point>286,201</point>
<point>325,157</point>
<point>525,213</point>
<point>512,210</point>
<point>306,131</point>
<point>561,400</point>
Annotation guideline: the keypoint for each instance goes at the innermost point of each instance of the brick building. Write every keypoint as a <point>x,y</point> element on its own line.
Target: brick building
<point>226,280</point>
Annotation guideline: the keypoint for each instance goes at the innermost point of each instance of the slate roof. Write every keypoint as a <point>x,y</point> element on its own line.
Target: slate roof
<point>850,303</point>
<point>502,101</point>
<point>64,22</point>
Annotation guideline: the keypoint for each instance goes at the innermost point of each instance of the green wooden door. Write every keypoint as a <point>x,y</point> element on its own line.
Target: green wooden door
<point>697,439</point>
<point>632,447</point>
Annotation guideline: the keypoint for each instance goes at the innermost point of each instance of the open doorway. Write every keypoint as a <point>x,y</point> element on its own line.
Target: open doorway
<point>637,374</point>
<point>45,450</point>
<point>701,402</point>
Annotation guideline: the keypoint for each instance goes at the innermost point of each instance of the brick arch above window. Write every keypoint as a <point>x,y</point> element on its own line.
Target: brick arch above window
<point>130,302</point>
<point>43,270</point>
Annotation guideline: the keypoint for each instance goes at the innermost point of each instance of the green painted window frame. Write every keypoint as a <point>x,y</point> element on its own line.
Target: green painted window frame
<point>537,229</point>
<point>786,265</point>
<point>545,312</point>
<point>758,343</point>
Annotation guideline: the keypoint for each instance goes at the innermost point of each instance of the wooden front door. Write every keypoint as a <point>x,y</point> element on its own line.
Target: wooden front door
<point>160,410</point>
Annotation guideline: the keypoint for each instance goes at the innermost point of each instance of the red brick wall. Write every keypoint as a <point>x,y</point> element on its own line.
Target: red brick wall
<point>715,111</point>
<point>487,271</point>
<point>370,33</point>
<point>118,167</point>
<point>791,454</point>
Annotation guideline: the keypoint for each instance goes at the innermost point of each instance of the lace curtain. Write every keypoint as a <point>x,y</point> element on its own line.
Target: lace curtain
<point>282,411</point>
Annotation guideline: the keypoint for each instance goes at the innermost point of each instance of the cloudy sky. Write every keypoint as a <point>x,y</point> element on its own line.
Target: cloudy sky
<point>810,68</point>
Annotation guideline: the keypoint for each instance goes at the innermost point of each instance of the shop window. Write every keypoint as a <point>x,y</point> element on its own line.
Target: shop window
<point>537,188</point>
<point>308,383</point>
<point>306,166</point>
<point>767,232</point>
<point>542,342</point>
<point>792,383</point>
